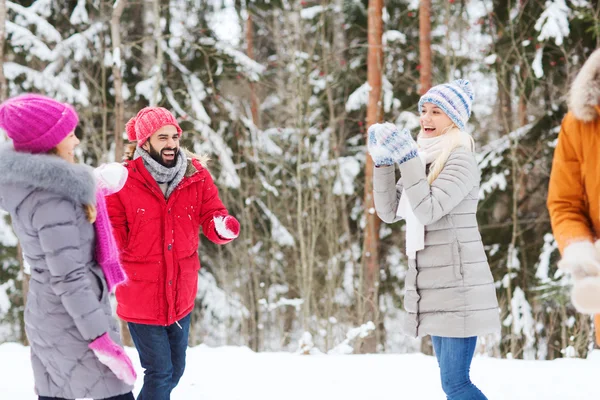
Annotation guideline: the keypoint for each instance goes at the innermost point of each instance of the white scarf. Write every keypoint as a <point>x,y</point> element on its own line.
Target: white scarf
<point>430,149</point>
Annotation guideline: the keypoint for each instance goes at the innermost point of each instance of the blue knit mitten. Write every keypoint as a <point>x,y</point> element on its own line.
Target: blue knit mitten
<point>387,144</point>
<point>380,155</point>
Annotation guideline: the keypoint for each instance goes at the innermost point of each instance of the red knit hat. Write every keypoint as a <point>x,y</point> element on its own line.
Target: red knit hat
<point>147,122</point>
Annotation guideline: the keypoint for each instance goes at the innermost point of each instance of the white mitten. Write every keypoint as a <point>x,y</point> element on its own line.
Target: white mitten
<point>582,260</point>
<point>111,177</point>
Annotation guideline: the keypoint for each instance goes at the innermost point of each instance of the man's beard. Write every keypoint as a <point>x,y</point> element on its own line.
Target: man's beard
<point>158,156</point>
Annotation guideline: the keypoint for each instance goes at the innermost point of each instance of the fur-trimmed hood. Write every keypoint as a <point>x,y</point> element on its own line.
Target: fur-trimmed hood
<point>585,90</point>
<point>202,159</point>
<point>46,172</point>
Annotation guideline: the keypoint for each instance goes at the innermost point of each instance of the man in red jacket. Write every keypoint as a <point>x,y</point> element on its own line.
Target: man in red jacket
<point>156,218</point>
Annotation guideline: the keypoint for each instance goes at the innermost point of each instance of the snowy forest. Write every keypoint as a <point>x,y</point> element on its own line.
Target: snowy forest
<point>279,94</point>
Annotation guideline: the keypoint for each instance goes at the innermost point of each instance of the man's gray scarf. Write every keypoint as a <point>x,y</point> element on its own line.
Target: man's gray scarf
<point>160,173</point>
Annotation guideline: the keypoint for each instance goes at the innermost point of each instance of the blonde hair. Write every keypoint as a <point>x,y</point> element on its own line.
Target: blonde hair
<point>453,138</point>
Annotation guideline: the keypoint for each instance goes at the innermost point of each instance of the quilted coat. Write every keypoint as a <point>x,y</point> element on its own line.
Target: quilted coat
<point>67,304</point>
<point>449,289</point>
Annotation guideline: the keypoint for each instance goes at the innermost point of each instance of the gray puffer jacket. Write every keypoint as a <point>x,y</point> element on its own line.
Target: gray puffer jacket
<point>67,305</point>
<point>450,290</point>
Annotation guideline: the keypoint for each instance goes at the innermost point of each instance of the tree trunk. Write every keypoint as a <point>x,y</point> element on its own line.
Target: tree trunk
<point>159,53</point>
<point>254,106</point>
<point>374,115</point>
<point>426,83</point>
<point>119,111</point>
<point>115,32</point>
<point>25,291</point>
<point>3,85</point>
<point>425,44</point>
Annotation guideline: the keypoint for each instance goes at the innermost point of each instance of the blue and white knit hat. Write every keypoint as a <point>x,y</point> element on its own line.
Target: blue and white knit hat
<point>454,98</point>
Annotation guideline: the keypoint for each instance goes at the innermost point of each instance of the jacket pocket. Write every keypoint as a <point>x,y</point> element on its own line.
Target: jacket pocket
<point>457,260</point>
<point>99,282</point>
<point>187,283</point>
<point>138,297</point>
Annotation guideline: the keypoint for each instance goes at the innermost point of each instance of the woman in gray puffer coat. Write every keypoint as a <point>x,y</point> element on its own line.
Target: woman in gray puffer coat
<point>75,350</point>
<point>450,291</point>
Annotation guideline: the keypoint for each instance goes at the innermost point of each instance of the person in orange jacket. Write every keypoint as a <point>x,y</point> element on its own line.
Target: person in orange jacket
<point>574,193</point>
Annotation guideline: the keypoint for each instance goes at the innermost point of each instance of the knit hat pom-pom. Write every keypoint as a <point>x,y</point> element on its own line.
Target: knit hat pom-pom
<point>130,128</point>
<point>466,87</point>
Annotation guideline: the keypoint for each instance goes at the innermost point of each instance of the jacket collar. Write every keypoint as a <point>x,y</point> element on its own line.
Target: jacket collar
<point>195,165</point>
<point>47,172</point>
<point>585,90</point>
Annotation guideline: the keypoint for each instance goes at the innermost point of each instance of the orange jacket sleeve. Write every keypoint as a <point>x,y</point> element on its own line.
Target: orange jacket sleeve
<point>566,195</point>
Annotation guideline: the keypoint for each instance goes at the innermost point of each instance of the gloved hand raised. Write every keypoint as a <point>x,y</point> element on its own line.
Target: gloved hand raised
<point>111,177</point>
<point>114,357</point>
<point>582,260</point>
<point>227,226</point>
<point>386,145</point>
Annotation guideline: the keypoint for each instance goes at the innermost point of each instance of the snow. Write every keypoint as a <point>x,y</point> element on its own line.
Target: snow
<point>543,265</point>
<point>349,170</point>
<point>145,88</point>
<point>358,98</point>
<point>361,332</point>
<point>4,299</point>
<point>79,15</point>
<point>278,232</point>
<point>218,304</point>
<point>225,22</point>
<point>491,59</point>
<point>47,83</point>
<point>393,36</point>
<point>537,67</point>
<point>311,12</point>
<point>246,65</point>
<point>7,237</point>
<point>27,16</point>
<point>232,373</point>
<point>523,323</point>
<point>407,120</point>
<point>22,37</point>
<point>554,22</point>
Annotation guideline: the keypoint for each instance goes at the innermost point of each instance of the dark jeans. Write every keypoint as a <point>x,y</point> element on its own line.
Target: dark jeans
<point>162,355</point>
<point>126,396</point>
<point>454,357</point>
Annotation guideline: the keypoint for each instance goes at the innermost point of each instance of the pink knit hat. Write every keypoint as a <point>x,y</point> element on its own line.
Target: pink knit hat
<point>147,122</point>
<point>36,123</point>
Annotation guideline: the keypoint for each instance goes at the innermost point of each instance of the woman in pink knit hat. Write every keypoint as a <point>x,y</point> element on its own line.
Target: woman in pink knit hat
<point>61,221</point>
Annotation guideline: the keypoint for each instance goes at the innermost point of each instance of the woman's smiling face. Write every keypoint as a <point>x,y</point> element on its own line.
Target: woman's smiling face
<point>434,122</point>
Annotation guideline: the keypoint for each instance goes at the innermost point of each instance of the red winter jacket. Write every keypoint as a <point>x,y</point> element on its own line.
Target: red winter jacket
<point>158,239</point>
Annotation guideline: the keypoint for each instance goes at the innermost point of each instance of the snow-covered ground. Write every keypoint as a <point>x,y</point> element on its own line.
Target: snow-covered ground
<point>237,373</point>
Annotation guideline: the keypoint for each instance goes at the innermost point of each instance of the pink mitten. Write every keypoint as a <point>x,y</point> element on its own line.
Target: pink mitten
<point>227,227</point>
<point>114,357</point>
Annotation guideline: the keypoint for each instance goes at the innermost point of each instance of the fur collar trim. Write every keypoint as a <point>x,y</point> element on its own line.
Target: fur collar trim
<point>585,90</point>
<point>48,172</point>
<point>191,168</point>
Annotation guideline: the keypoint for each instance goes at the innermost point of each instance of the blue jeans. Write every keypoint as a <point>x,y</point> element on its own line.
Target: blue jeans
<point>454,357</point>
<point>162,355</point>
